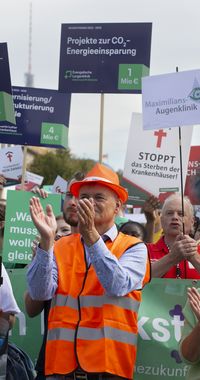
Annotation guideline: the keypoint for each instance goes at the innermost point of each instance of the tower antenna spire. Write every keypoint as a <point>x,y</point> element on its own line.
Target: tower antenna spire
<point>29,75</point>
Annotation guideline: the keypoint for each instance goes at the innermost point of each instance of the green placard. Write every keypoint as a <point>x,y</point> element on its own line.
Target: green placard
<point>130,75</point>
<point>19,228</point>
<point>27,332</point>
<point>160,326</point>
<point>56,134</point>
<point>6,108</point>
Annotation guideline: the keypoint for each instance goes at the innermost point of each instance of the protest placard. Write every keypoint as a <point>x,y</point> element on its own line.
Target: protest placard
<point>42,118</point>
<point>59,186</point>
<point>152,163</point>
<point>30,181</point>
<point>19,229</point>
<point>171,100</point>
<point>104,58</point>
<point>11,161</point>
<point>192,184</point>
<point>160,328</point>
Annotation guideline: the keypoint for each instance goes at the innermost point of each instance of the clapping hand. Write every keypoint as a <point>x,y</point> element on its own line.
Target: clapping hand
<point>44,222</point>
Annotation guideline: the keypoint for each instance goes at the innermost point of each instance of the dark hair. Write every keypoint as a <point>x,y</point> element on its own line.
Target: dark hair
<point>196,223</point>
<point>140,229</point>
<point>2,212</point>
<point>78,176</point>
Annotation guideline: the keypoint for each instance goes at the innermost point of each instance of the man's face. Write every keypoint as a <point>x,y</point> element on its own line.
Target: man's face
<point>172,218</point>
<point>106,204</point>
<point>69,208</point>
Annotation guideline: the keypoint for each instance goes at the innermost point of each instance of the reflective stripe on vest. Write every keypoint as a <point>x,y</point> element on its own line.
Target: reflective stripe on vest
<point>95,301</point>
<point>88,333</point>
<point>61,300</point>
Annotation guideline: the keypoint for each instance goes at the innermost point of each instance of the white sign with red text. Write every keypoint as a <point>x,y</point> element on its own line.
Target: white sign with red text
<point>31,180</point>
<point>35,178</point>
<point>11,162</point>
<point>152,163</point>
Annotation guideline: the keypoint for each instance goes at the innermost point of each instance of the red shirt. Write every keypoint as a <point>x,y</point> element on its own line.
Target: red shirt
<point>159,249</point>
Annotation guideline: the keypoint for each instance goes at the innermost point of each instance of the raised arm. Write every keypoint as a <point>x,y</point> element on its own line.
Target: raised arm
<point>45,223</point>
<point>190,347</point>
<point>150,210</point>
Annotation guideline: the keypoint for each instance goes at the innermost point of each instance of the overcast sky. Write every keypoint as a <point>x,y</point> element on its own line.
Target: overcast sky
<point>175,42</point>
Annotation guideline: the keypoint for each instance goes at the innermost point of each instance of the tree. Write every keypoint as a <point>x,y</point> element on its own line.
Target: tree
<point>58,162</point>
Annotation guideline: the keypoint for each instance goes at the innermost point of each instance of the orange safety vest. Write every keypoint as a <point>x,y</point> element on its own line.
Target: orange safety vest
<point>86,327</point>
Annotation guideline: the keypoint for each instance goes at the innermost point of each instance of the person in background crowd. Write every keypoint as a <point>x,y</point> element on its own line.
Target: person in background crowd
<point>8,304</point>
<point>63,228</point>
<point>96,284</point>
<point>2,183</point>
<point>197,231</point>
<point>33,307</point>
<point>190,340</point>
<point>120,217</point>
<point>70,204</point>
<point>176,254</point>
<point>153,228</point>
<point>133,228</point>
<point>8,309</point>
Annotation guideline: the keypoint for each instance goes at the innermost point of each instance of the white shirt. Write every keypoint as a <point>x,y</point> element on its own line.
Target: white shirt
<point>7,299</point>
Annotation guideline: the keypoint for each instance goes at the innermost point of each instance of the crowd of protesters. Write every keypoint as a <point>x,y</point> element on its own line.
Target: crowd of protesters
<point>89,267</point>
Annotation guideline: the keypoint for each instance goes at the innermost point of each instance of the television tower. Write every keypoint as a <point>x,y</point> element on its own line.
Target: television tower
<point>29,75</point>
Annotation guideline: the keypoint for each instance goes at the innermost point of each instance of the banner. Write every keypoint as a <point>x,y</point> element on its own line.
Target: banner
<point>19,229</point>
<point>104,58</point>
<point>152,163</point>
<point>160,326</point>
<point>6,102</point>
<point>171,100</point>
<point>192,185</point>
<point>42,118</point>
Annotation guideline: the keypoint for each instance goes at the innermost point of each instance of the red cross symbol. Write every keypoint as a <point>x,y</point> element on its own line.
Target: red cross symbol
<point>160,134</point>
<point>9,155</point>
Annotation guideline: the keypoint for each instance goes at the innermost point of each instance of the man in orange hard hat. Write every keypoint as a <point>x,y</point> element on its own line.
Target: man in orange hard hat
<point>96,286</point>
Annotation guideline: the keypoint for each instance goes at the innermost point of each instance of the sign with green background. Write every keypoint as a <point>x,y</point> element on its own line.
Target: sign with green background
<point>27,332</point>
<point>19,228</point>
<point>160,324</point>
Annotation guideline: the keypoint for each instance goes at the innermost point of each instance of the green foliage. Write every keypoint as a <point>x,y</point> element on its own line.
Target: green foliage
<point>58,162</point>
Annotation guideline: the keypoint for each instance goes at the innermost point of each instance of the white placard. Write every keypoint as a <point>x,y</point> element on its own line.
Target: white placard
<point>34,178</point>
<point>171,100</point>
<point>11,162</point>
<point>59,186</point>
<point>152,161</point>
